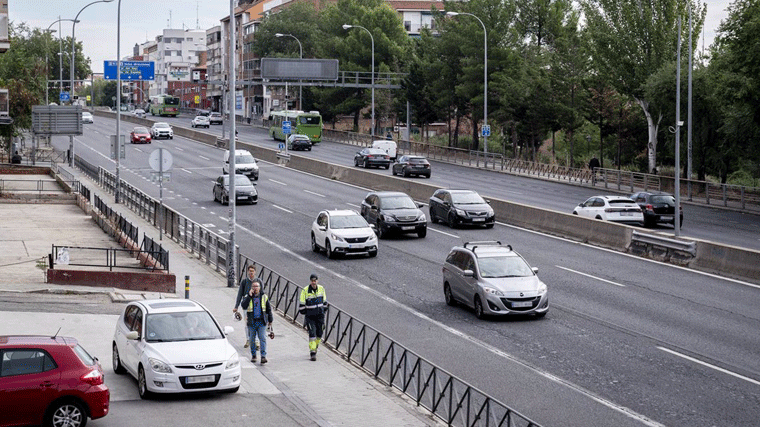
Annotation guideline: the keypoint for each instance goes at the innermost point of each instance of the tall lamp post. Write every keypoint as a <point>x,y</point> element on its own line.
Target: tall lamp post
<point>46,54</point>
<point>73,50</point>
<point>47,68</point>
<point>118,102</point>
<point>300,49</point>
<point>346,27</point>
<point>485,75</point>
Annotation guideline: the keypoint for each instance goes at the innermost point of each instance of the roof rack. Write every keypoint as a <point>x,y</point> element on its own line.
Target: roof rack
<point>475,244</point>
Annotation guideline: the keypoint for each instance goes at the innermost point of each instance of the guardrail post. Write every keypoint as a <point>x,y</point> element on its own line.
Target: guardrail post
<point>187,287</point>
<point>725,201</point>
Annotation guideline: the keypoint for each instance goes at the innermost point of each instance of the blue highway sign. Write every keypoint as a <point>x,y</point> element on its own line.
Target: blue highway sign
<point>286,127</point>
<point>130,70</point>
<point>64,97</point>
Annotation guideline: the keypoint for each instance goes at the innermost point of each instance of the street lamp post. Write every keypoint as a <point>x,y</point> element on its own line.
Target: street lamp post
<point>300,49</point>
<point>58,21</point>
<point>47,68</point>
<point>73,50</point>
<point>118,102</point>
<point>346,27</point>
<point>485,75</point>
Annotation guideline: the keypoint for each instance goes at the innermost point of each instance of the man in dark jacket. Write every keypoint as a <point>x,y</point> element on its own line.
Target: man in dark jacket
<point>258,318</point>
<point>245,287</point>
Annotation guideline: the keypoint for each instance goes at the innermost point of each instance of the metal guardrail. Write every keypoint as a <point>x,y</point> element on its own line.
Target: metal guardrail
<point>156,250</point>
<point>448,398</point>
<point>38,186</point>
<point>59,252</point>
<point>665,242</point>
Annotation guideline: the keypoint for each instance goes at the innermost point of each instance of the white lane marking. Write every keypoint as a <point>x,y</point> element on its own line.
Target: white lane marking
<point>203,157</point>
<point>177,148</point>
<point>185,170</point>
<point>719,369</point>
<point>311,192</point>
<point>138,149</point>
<point>223,218</point>
<point>662,264</point>
<point>621,409</point>
<point>282,209</point>
<point>210,224</point>
<point>278,182</point>
<point>443,232</point>
<point>593,277</point>
<point>351,204</point>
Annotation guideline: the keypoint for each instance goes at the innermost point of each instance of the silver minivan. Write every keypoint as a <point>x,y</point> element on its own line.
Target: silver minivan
<point>492,279</point>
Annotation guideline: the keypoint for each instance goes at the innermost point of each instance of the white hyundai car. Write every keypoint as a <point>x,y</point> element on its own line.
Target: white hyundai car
<point>611,208</point>
<point>343,232</point>
<point>174,346</point>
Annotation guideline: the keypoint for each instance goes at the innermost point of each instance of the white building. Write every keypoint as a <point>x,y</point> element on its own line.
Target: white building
<point>175,53</point>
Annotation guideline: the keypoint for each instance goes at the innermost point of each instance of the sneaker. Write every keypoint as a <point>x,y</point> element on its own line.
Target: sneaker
<point>247,344</point>
<point>313,355</point>
<point>253,359</point>
<point>263,360</point>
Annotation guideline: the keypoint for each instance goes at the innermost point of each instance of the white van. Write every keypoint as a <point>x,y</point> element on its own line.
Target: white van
<point>245,164</point>
<point>386,145</point>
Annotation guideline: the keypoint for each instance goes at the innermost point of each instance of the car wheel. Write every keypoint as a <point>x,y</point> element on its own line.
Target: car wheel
<point>648,223</point>
<point>452,221</point>
<point>448,296</point>
<point>356,162</point>
<point>406,173</point>
<point>366,164</point>
<point>479,308</point>
<point>393,171</point>
<point>215,199</point>
<point>226,200</point>
<point>422,233</point>
<point>314,246</point>
<point>142,384</point>
<point>309,148</point>
<point>380,233</point>
<point>373,254</point>
<point>67,413</point>
<point>231,390</point>
<point>433,218</point>
<point>387,166</point>
<point>328,249</point>
<point>116,361</point>
<point>489,225</point>
<point>541,315</point>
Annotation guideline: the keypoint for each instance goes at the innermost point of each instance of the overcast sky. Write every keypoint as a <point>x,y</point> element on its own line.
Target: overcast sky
<point>143,20</point>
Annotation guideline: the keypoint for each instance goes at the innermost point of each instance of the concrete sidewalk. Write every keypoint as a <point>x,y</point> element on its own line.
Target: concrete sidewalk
<point>328,392</point>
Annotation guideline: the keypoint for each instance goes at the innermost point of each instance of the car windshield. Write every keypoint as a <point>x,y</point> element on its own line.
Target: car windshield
<point>246,158</point>
<point>140,130</point>
<point>87,114</point>
<point>161,126</point>
<point>240,180</point>
<point>504,266</point>
<point>667,200</point>
<point>398,202</point>
<point>184,326</point>
<point>348,221</point>
<point>466,198</point>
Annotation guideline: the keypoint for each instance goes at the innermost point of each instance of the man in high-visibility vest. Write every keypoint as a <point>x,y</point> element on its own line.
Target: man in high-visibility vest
<point>313,305</point>
<point>259,318</point>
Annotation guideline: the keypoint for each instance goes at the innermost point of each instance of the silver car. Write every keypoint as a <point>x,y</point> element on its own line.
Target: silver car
<point>492,279</point>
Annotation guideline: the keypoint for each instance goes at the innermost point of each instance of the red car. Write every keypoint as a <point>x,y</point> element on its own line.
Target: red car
<point>140,135</point>
<point>49,381</point>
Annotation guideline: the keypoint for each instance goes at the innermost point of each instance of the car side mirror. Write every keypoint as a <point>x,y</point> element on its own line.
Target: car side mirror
<point>373,227</point>
<point>133,335</point>
<point>535,270</point>
<point>228,330</point>
<point>488,201</point>
<point>419,205</point>
<point>468,273</point>
<point>581,205</point>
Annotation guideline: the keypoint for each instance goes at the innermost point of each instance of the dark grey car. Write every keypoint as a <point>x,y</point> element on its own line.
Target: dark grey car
<point>244,188</point>
<point>460,207</point>
<point>393,212</point>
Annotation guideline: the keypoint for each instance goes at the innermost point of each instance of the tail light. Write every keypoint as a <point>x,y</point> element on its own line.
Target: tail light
<point>649,208</point>
<point>94,377</point>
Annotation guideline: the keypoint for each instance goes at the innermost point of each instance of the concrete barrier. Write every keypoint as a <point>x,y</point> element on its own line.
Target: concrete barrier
<point>739,263</point>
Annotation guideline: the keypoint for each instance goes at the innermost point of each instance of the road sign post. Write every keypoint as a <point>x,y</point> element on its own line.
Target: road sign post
<point>286,129</point>
<point>161,160</point>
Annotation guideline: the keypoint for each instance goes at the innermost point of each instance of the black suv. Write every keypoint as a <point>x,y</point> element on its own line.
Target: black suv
<point>394,212</point>
<point>459,207</point>
<point>658,207</point>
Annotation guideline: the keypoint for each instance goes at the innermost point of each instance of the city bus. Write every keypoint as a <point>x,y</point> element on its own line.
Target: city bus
<point>164,105</point>
<point>309,124</point>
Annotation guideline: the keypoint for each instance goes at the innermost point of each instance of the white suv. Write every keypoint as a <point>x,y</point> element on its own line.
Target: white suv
<point>493,279</point>
<point>343,232</point>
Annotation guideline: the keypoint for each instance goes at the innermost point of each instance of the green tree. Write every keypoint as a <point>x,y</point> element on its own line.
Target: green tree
<point>631,40</point>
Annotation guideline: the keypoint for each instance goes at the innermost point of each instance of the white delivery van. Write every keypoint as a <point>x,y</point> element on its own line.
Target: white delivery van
<point>245,164</point>
<point>386,145</point>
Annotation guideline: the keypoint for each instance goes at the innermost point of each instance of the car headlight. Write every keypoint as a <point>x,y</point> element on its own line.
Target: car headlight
<point>336,237</point>
<point>233,362</point>
<point>492,291</point>
<point>389,218</point>
<point>460,212</point>
<point>490,212</point>
<point>542,288</point>
<point>422,218</point>
<point>159,366</point>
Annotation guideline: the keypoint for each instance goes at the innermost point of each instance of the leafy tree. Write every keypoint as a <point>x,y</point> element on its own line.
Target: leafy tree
<point>631,40</point>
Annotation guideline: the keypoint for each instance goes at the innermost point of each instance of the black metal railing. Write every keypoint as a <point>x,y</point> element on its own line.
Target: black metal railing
<point>95,257</point>
<point>157,251</point>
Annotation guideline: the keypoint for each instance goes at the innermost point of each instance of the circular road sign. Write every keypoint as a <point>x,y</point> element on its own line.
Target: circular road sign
<point>159,156</point>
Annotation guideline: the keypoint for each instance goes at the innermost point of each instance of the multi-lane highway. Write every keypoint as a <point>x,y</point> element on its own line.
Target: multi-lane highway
<point>627,341</point>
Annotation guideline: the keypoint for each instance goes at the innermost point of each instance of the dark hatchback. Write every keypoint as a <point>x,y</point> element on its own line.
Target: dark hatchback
<point>460,207</point>
<point>412,165</point>
<point>658,207</point>
<point>372,157</point>
<point>393,212</point>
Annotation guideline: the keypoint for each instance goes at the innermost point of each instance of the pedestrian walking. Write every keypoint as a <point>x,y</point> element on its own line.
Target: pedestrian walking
<point>259,318</point>
<point>313,305</point>
<point>243,289</point>
<point>593,164</point>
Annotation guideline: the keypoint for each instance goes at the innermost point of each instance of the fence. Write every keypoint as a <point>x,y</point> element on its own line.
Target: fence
<point>447,397</point>
<point>88,257</point>
<point>156,251</point>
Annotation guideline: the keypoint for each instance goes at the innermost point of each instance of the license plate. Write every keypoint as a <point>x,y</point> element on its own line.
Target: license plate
<point>666,218</point>
<point>522,304</point>
<point>626,213</point>
<point>407,228</point>
<point>199,379</point>
<point>478,220</point>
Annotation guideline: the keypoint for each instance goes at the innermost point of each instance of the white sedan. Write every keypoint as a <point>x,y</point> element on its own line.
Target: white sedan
<point>87,117</point>
<point>200,121</point>
<point>611,208</point>
<point>343,232</point>
<point>174,346</point>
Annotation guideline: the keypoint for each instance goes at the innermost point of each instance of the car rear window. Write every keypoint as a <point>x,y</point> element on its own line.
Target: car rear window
<point>670,200</point>
<point>84,356</point>
<point>418,161</point>
<point>620,202</point>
